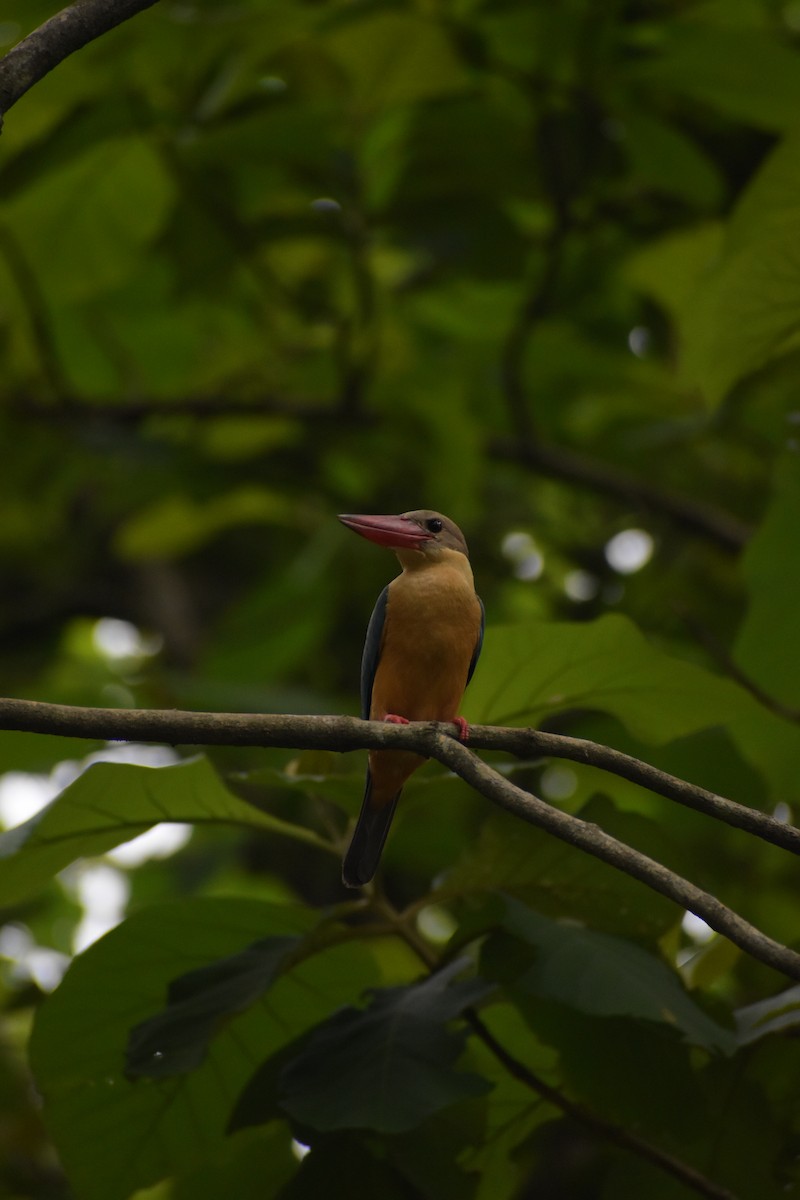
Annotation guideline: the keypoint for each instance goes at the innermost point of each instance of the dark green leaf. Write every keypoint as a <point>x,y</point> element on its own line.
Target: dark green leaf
<point>388,1067</point>
<point>176,1040</point>
<point>606,976</point>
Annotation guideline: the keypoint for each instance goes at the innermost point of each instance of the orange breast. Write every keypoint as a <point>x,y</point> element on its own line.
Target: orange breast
<point>432,625</point>
<point>433,620</point>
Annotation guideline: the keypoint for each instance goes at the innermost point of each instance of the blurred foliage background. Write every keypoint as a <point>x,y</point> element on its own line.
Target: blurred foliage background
<point>535,266</point>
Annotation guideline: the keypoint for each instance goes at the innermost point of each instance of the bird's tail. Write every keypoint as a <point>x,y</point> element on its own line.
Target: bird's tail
<point>364,853</point>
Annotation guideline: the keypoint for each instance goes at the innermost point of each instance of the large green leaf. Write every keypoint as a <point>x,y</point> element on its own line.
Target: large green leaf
<point>115,1135</point>
<point>388,1068</point>
<point>533,669</point>
<point>602,975</point>
<point>112,803</point>
<point>394,57</point>
<point>516,858</point>
<point>177,525</point>
<point>736,300</point>
<point>176,1040</point>
<point>256,1165</point>
<point>83,227</point>
<point>725,68</point>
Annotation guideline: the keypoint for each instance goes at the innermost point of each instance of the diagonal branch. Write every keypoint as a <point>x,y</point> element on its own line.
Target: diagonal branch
<point>600,844</point>
<point>69,30</point>
<point>437,741</point>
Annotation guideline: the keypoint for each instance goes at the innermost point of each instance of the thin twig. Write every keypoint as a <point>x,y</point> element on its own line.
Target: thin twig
<point>69,30</point>
<point>433,741</point>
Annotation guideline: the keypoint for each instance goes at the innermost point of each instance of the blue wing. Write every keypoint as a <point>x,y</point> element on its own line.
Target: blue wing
<point>477,651</point>
<point>372,651</point>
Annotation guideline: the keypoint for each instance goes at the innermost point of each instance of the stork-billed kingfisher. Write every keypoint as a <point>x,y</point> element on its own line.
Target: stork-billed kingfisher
<point>422,644</point>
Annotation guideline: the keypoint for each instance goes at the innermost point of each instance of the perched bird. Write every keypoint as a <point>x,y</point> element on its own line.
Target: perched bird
<point>422,644</point>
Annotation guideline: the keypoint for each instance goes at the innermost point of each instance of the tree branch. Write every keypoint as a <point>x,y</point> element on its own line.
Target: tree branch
<point>692,515</point>
<point>556,462</point>
<point>439,742</point>
<point>599,844</point>
<point>351,733</point>
<point>610,1132</point>
<point>69,30</point>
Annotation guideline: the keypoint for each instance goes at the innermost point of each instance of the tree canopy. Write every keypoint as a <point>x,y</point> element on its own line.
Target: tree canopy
<point>535,266</point>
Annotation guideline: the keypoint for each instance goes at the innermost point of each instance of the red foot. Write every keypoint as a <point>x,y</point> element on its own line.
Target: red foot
<point>462,727</point>
<point>393,719</point>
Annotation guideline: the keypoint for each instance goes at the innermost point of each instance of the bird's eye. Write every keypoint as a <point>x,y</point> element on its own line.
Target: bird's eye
<point>434,525</point>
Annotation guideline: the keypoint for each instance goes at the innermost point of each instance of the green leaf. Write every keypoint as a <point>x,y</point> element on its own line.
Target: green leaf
<point>176,525</point>
<point>83,226</point>
<point>396,57</point>
<point>533,669</point>
<point>254,1165</point>
<point>386,1068</point>
<point>609,1064</point>
<point>725,68</point>
<point>176,1040</point>
<point>672,270</point>
<point>605,976</point>
<point>112,803</point>
<point>736,300</point>
<point>514,857</point>
<point>768,643</point>
<point>668,161</point>
<point>115,1135</point>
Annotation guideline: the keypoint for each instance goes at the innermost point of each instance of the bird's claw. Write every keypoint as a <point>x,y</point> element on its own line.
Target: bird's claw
<point>394,719</point>
<point>462,727</point>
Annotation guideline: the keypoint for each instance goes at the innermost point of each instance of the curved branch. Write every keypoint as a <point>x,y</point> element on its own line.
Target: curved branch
<point>433,741</point>
<point>69,30</point>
